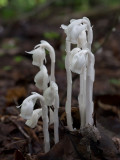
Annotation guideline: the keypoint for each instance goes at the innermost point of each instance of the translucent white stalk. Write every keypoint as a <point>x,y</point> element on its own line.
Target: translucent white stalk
<point>69,87</point>
<point>82,98</point>
<point>82,94</point>
<point>56,120</point>
<point>45,125</point>
<point>51,121</point>
<point>89,89</point>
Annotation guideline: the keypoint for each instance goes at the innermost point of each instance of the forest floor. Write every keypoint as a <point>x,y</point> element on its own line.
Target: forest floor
<point>17,79</point>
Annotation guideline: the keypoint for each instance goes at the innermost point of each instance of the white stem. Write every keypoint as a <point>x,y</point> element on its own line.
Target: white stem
<point>51,119</point>
<point>82,98</point>
<point>52,71</point>
<point>56,106</point>
<point>56,120</point>
<point>89,102</point>
<point>82,94</point>
<point>89,89</point>
<point>45,124</point>
<point>69,88</point>
<point>45,128</point>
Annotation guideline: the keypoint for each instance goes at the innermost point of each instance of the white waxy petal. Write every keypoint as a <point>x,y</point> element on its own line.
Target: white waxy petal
<point>74,33</point>
<point>41,79</point>
<point>28,105</point>
<point>77,62</point>
<point>27,109</point>
<point>54,86</point>
<point>38,56</point>
<point>64,26</point>
<point>49,97</point>
<point>32,122</point>
<point>50,93</point>
<point>38,45</point>
<point>72,20</point>
<point>87,19</point>
<point>74,51</point>
<point>73,30</point>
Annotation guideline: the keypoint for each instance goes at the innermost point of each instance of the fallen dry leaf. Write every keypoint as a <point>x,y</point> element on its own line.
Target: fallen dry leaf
<point>14,94</point>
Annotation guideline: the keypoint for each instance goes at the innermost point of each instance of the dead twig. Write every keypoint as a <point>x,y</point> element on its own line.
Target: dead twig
<point>24,134</point>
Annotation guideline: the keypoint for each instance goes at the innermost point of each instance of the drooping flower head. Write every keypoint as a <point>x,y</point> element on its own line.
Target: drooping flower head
<point>28,105</point>
<point>37,113</point>
<point>38,56</point>
<point>73,30</point>
<point>41,79</point>
<point>46,46</point>
<point>50,94</point>
<point>32,122</point>
<point>78,60</point>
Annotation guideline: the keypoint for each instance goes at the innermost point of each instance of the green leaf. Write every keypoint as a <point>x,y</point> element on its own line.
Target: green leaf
<point>3,3</point>
<point>7,68</point>
<point>18,58</point>
<point>115,82</point>
<point>51,35</point>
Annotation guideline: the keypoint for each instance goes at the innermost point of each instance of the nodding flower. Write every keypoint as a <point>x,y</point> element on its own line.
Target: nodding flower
<point>50,49</point>
<point>28,105</point>
<point>50,94</point>
<point>73,30</point>
<point>41,79</point>
<point>38,56</point>
<point>32,122</point>
<point>78,60</point>
<point>37,113</point>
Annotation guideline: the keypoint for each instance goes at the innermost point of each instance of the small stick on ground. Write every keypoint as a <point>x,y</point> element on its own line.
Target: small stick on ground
<point>24,134</point>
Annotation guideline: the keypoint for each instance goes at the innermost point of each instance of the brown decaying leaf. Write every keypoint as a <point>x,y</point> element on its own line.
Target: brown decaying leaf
<point>14,94</point>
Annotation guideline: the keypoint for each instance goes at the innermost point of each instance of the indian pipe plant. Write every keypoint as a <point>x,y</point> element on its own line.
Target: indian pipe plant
<point>79,60</point>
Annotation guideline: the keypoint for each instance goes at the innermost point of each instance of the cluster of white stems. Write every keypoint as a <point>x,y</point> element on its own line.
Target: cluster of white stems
<point>50,95</point>
<point>79,60</point>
